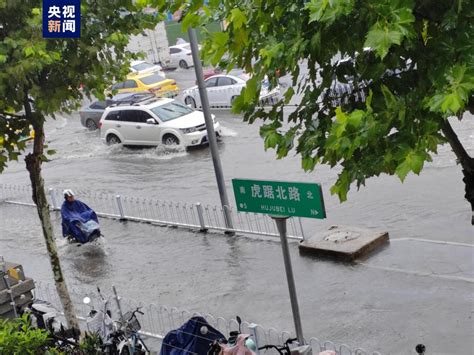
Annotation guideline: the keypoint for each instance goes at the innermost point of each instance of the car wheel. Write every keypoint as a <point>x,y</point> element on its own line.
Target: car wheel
<point>113,139</point>
<point>170,139</point>
<point>91,125</point>
<point>183,64</point>
<point>190,101</point>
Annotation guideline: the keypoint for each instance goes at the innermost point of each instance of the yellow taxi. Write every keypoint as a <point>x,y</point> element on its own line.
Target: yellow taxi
<point>154,83</point>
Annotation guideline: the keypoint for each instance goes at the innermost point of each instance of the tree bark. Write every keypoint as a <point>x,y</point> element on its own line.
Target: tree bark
<point>33,164</point>
<point>466,162</point>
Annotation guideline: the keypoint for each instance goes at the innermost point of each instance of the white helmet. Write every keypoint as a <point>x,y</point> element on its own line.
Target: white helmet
<point>68,192</point>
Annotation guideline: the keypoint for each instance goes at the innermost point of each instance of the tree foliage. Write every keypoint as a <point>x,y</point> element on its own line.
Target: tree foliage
<point>412,59</point>
<point>51,71</point>
<point>40,77</point>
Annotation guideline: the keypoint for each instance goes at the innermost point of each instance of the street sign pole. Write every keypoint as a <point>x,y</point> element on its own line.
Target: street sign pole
<point>211,135</point>
<point>281,225</point>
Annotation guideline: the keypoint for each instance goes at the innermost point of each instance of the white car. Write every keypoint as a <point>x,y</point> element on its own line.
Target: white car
<point>154,121</point>
<point>143,67</point>
<point>181,56</point>
<point>222,89</point>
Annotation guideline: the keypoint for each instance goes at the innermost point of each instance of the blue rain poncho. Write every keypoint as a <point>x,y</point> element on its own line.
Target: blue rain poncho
<point>79,221</point>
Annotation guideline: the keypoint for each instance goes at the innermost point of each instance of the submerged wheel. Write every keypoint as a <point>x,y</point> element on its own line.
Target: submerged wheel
<point>190,101</point>
<point>113,139</point>
<point>170,139</point>
<point>91,125</point>
<point>183,64</point>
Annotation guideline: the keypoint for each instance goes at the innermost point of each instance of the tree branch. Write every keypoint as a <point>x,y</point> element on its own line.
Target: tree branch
<point>465,160</point>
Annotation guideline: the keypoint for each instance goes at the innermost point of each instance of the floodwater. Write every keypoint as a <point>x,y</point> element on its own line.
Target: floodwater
<point>372,305</point>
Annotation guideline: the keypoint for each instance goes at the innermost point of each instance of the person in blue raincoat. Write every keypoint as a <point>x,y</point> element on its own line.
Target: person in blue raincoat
<point>79,221</point>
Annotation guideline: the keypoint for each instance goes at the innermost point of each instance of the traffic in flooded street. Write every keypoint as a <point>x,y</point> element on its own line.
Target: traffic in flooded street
<point>228,275</point>
<point>249,178</point>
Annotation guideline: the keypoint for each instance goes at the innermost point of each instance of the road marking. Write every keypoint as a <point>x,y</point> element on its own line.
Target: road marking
<point>418,273</point>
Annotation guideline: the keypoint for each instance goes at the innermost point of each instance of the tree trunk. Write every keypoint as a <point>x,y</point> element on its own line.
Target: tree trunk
<point>33,164</point>
<point>466,162</point>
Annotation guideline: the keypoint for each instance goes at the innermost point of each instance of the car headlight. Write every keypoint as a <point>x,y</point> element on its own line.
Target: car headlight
<point>188,130</point>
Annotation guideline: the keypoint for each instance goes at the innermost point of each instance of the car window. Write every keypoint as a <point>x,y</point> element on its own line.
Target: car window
<point>142,116</point>
<point>98,105</point>
<point>171,110</point>
<point>174,50</point>
<point>225,81</point>
<point>211,82</point>
<point>142,66</point>
<point>152,79</point>
<point>130,84</point>
<point>113,116</point>
<point>118,86</point>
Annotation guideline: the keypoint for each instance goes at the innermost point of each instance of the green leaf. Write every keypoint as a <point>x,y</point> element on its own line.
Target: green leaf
<point>29,51</point>
<point>237,17</point>
<point>381,37</point>
<point>413,162</point>
<point>272,139</point>
<point>289,94</point>
<point>50,152</point>
<point>190,20</point>
<point>308,163</point>
<point>250,90</point>
<point>451,103</point>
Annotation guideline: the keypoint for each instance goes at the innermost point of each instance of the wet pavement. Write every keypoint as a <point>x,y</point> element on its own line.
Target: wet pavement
<point>413,291</point>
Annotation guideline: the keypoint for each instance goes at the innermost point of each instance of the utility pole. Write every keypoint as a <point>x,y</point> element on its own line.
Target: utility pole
<point>211,135</point>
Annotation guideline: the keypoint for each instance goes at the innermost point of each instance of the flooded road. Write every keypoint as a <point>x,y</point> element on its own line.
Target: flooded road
<point>367,306</point>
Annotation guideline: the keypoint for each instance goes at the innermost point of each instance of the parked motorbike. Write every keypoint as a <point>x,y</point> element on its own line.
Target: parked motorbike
<point>193,337</point>
<point>237,344</point>
<point>44,315</point>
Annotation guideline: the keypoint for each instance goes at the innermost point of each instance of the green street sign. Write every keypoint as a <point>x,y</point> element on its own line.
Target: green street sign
<point>279,198</point>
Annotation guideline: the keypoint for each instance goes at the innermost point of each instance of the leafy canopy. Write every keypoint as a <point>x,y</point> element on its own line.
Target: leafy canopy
<point>410,65</point>
<point>49,72</point>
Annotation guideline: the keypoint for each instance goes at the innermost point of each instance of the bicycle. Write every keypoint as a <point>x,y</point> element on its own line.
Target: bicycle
<point>130,340</point>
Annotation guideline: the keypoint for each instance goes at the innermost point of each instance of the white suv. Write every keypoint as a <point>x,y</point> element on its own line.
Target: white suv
<point>154,121</point>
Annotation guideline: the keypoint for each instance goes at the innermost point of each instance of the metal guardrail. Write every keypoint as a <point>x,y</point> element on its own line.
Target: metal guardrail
<point>157,320</point>
<point>188,215</point>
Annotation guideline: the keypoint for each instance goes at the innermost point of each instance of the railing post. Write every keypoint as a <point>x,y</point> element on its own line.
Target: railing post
<point>118,199</point>
<point>53,199</point>
<point>201,217</point>
<point>301,228</point>
<point>253,332</point>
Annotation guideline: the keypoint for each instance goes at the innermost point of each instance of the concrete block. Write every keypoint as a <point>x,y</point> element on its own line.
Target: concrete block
<point>17,290</point>
<point>6,310</point>
<point>344,243</point>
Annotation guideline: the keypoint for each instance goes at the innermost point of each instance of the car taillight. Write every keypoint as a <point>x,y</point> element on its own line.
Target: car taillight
<point>100,124</point>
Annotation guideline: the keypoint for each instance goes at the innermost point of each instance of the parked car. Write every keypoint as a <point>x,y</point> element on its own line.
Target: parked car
<point>91,114</point>
<point>181,56</point>
<point>154,83</point>
<point>154,121</point>
<point>143,67</point>
<point>222,90</point>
